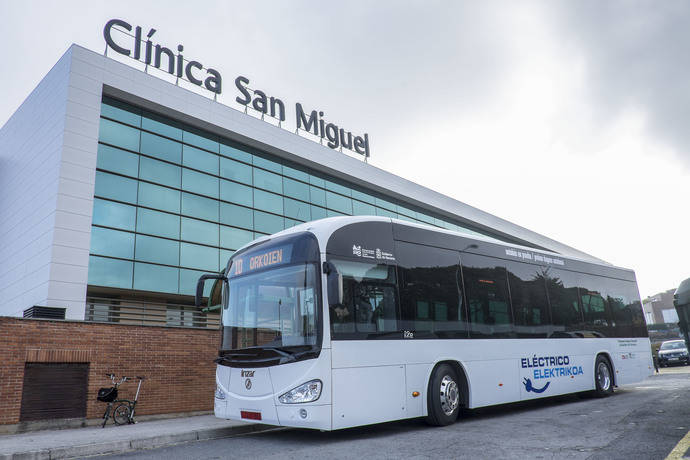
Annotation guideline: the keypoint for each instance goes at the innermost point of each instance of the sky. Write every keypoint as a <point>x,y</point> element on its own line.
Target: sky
<point>567,118</point>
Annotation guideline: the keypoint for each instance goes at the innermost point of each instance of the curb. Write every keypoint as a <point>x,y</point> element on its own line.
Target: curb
<point>120,447</point>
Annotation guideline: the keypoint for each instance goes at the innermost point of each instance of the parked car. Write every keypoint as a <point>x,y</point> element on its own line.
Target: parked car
<point>673,352</point>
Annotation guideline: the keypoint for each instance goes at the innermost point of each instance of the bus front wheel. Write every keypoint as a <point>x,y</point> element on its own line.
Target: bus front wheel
<point>603,377</point>
<point>443,396</point>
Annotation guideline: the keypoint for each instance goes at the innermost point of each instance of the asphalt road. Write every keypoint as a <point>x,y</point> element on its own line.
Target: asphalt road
<point>643,421</point>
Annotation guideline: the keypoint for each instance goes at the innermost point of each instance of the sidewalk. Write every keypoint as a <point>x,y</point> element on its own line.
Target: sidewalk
<point>81,442</point>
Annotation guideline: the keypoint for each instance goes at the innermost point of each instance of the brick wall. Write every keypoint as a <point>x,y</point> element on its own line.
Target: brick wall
<point>177,362</point>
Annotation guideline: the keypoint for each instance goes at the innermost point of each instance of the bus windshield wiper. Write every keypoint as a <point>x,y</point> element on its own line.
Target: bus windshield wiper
<point>286,354</point>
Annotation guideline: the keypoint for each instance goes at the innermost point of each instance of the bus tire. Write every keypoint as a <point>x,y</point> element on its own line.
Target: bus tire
<point>443,396</point>
<point>603,377</point>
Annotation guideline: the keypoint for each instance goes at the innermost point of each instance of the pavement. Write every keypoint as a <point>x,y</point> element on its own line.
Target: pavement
<point>84,442</point>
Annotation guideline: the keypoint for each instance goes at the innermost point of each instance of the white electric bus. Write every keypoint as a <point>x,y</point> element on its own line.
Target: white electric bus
<point>351,321</point>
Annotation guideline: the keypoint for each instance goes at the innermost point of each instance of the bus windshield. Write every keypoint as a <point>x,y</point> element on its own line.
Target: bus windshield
<point>273,308</point>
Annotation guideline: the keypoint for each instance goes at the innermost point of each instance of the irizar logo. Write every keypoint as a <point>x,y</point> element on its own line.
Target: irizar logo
<point>248,373</point>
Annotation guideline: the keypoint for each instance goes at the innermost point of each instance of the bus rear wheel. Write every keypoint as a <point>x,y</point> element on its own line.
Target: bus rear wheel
<point>443,396</point>
<point>603,377</point>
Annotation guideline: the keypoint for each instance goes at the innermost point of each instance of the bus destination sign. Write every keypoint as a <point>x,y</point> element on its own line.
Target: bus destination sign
<point>258,260</point>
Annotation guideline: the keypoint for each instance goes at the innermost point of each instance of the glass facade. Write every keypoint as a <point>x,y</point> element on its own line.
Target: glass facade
<point>172,202</point>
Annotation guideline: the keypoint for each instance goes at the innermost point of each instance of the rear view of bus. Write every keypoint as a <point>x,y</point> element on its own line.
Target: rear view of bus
<point>271,368</point>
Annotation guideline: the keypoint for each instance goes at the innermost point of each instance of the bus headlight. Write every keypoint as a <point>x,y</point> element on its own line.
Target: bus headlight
<point>307,392</point>
<point>220,394</point>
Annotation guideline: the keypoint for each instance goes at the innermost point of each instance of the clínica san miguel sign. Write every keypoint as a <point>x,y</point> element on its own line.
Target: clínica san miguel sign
<point>142,48</point>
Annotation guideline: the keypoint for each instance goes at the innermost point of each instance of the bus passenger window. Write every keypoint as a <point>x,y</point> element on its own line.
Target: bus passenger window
<point>487,296</point>
<point>369,305</point>
<point>528,297</point>
<point>430,291</point>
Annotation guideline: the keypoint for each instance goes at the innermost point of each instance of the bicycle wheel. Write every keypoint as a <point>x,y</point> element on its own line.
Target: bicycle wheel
<point>121,414</point>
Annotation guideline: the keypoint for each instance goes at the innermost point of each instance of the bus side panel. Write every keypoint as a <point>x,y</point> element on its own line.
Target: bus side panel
<point>493,382</point>
<point>364,395</point>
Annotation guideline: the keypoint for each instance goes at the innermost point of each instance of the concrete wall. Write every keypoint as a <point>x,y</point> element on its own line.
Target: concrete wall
<point>30,153</point>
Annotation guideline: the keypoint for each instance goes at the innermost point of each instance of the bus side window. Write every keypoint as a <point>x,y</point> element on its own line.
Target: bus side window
<point>595,307</point>
<point>430,291</point>
<point>487,296</point>
<point>369,300</point>
<point>564,300</point>
<point>528,298</point>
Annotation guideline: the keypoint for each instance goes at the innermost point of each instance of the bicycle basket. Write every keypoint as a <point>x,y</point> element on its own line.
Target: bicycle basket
<point>107,394</point>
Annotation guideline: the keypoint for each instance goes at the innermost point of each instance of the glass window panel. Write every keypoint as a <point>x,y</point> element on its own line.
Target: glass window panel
<point>528,297</point>
<point>115,215</point>
<point>361,196</point>
<point>199,257</point>
<point>160,147</point>
<point>237,193</point>
<point>158,223</point>
<point>236,153</point>
<point>161,125</point>
<point>332,186</point>
<point>331,213</point>
<point>199,231</point>
<point>113,243</point>
<point>297,210</point>
<point>236,171</point>
<point>119,135</point>
<point>430,290</point>
<point>110,272</point>
<point>268,201</point>
<point>199,139</point>
<point>425,218</point>
<point>295,189</point>
<point>188,280</point>
<point>317,195</point>
<point>291,223</point>
<point>487,296</point>
<point>338,203</point>
<point>160,172</point>
<point>225,255</point>
<point>385,204</point>
<point>237,216</point>
<point>267,223</point>
<point>316,180</point>
<point>116,160</point>
<point>158,250</point>
<point>155,196</point>
<point>407,219</point>
<point>155,278</point>
<point>198,206</point>
<point>116,187</point>
<point>120,111</point>
<point>268,180</point>
<point>267,164</point>
<point>200,159</point>
<point>407,212</point>
<point>362,209</point>
<point>318,213</point>
<point>199,183</point>
<point>234,238</point>
<point>296,173</point>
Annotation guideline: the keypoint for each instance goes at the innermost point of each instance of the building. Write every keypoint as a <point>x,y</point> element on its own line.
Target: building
<point>659,308</point>
<point>118,189</point>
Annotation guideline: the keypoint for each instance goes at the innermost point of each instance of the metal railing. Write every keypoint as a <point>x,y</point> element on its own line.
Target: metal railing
<point>136,312</point>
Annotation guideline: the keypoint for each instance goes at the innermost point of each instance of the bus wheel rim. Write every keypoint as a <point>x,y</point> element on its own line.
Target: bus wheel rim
<point>450,396</point>
<point>603,376</point>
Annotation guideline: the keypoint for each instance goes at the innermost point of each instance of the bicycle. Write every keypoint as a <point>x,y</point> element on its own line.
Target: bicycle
<point>124,408</point>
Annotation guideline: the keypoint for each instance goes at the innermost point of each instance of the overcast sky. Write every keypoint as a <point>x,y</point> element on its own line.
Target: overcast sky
<point>568,118</point>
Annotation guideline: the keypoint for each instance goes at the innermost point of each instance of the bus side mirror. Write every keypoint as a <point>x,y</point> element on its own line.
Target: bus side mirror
<point>200,286</point>
<point>334,284</point>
